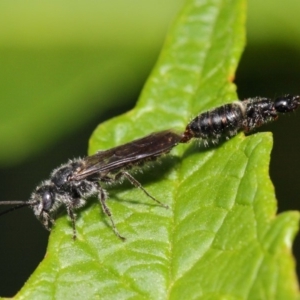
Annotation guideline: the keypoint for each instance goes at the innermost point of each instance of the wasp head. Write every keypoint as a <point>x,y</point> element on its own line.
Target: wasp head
<point>44,204</point>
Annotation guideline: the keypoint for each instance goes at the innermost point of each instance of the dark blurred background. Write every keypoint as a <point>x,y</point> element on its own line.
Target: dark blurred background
<point>65,67</point>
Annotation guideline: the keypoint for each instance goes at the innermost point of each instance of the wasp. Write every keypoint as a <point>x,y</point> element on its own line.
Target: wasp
<point>73,183</point>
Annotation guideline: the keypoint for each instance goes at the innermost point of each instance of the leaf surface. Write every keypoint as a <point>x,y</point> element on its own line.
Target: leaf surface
<point>220,239</point>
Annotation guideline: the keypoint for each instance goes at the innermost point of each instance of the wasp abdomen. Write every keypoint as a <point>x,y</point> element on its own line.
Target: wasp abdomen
<point>223,121</point>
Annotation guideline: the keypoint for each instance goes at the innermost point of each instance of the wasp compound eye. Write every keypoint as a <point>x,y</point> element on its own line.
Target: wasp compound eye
<point>48,200</point>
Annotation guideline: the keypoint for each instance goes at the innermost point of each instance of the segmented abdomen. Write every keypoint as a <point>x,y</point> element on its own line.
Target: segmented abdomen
<point>223,121</point>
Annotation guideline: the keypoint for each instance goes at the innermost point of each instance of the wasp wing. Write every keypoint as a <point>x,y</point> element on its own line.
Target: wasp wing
<point>129,154</point>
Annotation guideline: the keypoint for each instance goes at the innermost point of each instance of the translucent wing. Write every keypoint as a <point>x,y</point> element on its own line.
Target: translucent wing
<point>129,154</point>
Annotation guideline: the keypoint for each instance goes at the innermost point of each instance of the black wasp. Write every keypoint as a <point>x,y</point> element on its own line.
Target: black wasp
<point>71,184</point>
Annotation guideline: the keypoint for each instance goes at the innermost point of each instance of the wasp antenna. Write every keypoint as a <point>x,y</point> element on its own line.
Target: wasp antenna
<point>15,202</point>
<point>18,205</point>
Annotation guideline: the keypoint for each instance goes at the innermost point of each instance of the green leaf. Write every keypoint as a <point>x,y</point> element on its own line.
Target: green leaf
<point>220,238</point>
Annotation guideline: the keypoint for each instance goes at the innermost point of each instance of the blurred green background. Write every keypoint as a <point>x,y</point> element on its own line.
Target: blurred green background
<point>66,66</point>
